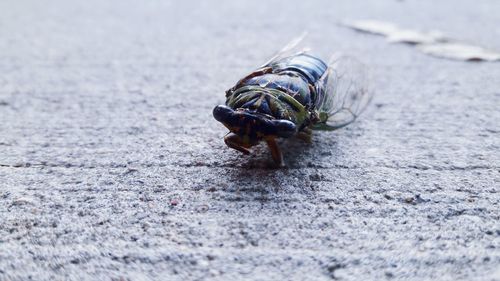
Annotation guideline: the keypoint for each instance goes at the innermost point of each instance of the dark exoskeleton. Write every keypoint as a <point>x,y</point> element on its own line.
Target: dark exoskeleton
<point>291,95</point>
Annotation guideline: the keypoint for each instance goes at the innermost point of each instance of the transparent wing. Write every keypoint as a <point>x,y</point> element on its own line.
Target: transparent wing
<point>294,47</point>
<point>343,93</point>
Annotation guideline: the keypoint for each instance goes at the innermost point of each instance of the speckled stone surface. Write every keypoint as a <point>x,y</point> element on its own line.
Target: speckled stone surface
<point>112,167</point>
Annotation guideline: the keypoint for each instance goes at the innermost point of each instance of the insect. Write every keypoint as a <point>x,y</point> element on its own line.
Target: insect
<point>292,94</point>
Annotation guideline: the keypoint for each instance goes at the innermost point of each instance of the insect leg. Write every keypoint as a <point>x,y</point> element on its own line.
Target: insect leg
<point>275,151</point>
<point>234,141</point>
<point>305,135</point>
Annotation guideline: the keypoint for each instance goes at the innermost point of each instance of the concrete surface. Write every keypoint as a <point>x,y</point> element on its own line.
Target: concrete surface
<point>112,167</point>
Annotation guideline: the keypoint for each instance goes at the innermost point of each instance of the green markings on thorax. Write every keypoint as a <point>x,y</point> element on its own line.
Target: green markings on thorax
<point>281,103</point>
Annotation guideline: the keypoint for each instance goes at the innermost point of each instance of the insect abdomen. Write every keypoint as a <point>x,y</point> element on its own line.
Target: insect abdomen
<point>295,76</point>
<point>307,66</point>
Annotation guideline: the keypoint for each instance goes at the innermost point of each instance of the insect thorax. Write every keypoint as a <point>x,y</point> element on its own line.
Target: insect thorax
<point>272,102</point>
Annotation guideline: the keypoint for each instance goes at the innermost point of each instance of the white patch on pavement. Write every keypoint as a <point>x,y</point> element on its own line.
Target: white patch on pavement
<point>433,43</point>
<point>459,51</point>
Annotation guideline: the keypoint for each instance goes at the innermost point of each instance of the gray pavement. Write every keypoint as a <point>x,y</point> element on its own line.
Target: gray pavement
<point>112,167</point>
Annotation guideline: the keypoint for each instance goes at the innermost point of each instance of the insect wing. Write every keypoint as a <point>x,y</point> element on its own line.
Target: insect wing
<point>343,93</point>
<point>294,47</point>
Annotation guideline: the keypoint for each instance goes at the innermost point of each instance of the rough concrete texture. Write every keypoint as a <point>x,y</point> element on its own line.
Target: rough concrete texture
<point>112,166</point>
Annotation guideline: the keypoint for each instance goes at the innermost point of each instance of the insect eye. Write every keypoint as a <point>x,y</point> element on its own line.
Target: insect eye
<point>284,128</point>
<point>222,113</point>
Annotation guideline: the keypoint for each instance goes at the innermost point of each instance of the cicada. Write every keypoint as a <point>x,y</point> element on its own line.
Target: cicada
<point>292,94</point>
